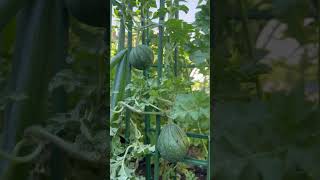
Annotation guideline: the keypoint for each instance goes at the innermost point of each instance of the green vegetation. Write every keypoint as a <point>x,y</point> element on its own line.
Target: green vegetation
<point>165,55</point>
<point>53,89</point>
<point>266,117</point>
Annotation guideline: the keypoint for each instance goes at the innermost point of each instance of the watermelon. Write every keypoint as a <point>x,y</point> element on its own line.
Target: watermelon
<point>141,57</point>
<point>173,143</point>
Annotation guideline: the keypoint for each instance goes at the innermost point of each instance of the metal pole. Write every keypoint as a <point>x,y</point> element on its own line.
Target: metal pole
<point>147,108</point>
<point>176,48</point>
<point>128,93</point>
<point>175,67</point>
<point>160,56</point>
<point>210,169</point>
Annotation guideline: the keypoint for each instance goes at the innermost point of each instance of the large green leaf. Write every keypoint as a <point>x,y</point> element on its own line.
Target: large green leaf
<point>190,109</point>
<point>178,30</point>
<point>199,57</point>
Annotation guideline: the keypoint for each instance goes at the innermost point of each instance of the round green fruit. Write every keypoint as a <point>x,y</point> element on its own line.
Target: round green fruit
<point>173,143</point>
<point>141,57</point>
<point>90,12</point>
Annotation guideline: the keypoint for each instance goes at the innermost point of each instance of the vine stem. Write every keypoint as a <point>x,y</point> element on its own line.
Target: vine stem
<point>150,25</point>
<point>141,112</point>
<point>22,159</point>
<point>149,104</point>
<point>124,157</point>
<point>165,100</point>
<point>119,111</point>
<point>317,8</point>
<point>205,147</point>
<point>138,133</point>
<point>71,149</point>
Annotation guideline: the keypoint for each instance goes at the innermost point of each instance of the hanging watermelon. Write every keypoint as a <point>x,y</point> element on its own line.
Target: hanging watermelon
<point>141,57</point>
<point>173,143</point>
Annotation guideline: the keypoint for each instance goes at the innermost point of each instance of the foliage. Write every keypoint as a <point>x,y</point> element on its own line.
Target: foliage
<point>274,136</point>
<point>191,109</point>
<point>146,94</point>
<point>269,134</point>
<point>121,165</point>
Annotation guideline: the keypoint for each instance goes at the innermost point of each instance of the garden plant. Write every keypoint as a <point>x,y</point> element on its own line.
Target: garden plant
<point>159,119</point>
<point>53,89</point>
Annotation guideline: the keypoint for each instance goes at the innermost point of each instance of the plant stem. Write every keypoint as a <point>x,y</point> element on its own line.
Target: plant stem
<point>205,147</point>
<point>115,111</point>
<point>124,157</point>
<point>141,112</point>
<point>21,159</point>
<point>41,133</point>
<point>149,104</point>
<point>165,100</point>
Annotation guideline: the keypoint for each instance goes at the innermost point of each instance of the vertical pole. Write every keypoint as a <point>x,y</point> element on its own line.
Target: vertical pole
<point>143,39</point>
<point>147,108</point>
<point>212,36</point>
<point>160,46</point>
<point>159,69</point>
<point>176,48</point>
<point>147,29</point>
<point>128,93</point>
<point>121,40</point>
<point>317,7</point>
<point>147,141</point>
<point>58,157</point>
<point>318,20</point>
<point>107,39</point>
<point>122,32</point>
<point>175,58</point>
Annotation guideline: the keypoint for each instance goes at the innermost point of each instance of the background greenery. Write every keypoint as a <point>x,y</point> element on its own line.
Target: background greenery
<point>53,71</point>
<point>266,116</point>
<point>185,100</point>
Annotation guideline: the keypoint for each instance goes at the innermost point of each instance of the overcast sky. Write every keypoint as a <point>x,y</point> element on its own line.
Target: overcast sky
<point>189,17</point>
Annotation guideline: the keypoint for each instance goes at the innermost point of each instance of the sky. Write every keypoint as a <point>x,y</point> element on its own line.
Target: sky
<point>189,17</point>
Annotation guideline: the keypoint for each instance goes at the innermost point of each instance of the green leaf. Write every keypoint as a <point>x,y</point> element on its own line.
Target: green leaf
<point>191,108</point>
<point>183,8</point>
<point>159,13</point>
<point>178,30</point>
<point>199,57</point>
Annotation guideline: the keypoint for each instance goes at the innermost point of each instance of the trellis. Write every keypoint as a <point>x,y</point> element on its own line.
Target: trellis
<point>244,16</point>
<point>145,40</point>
